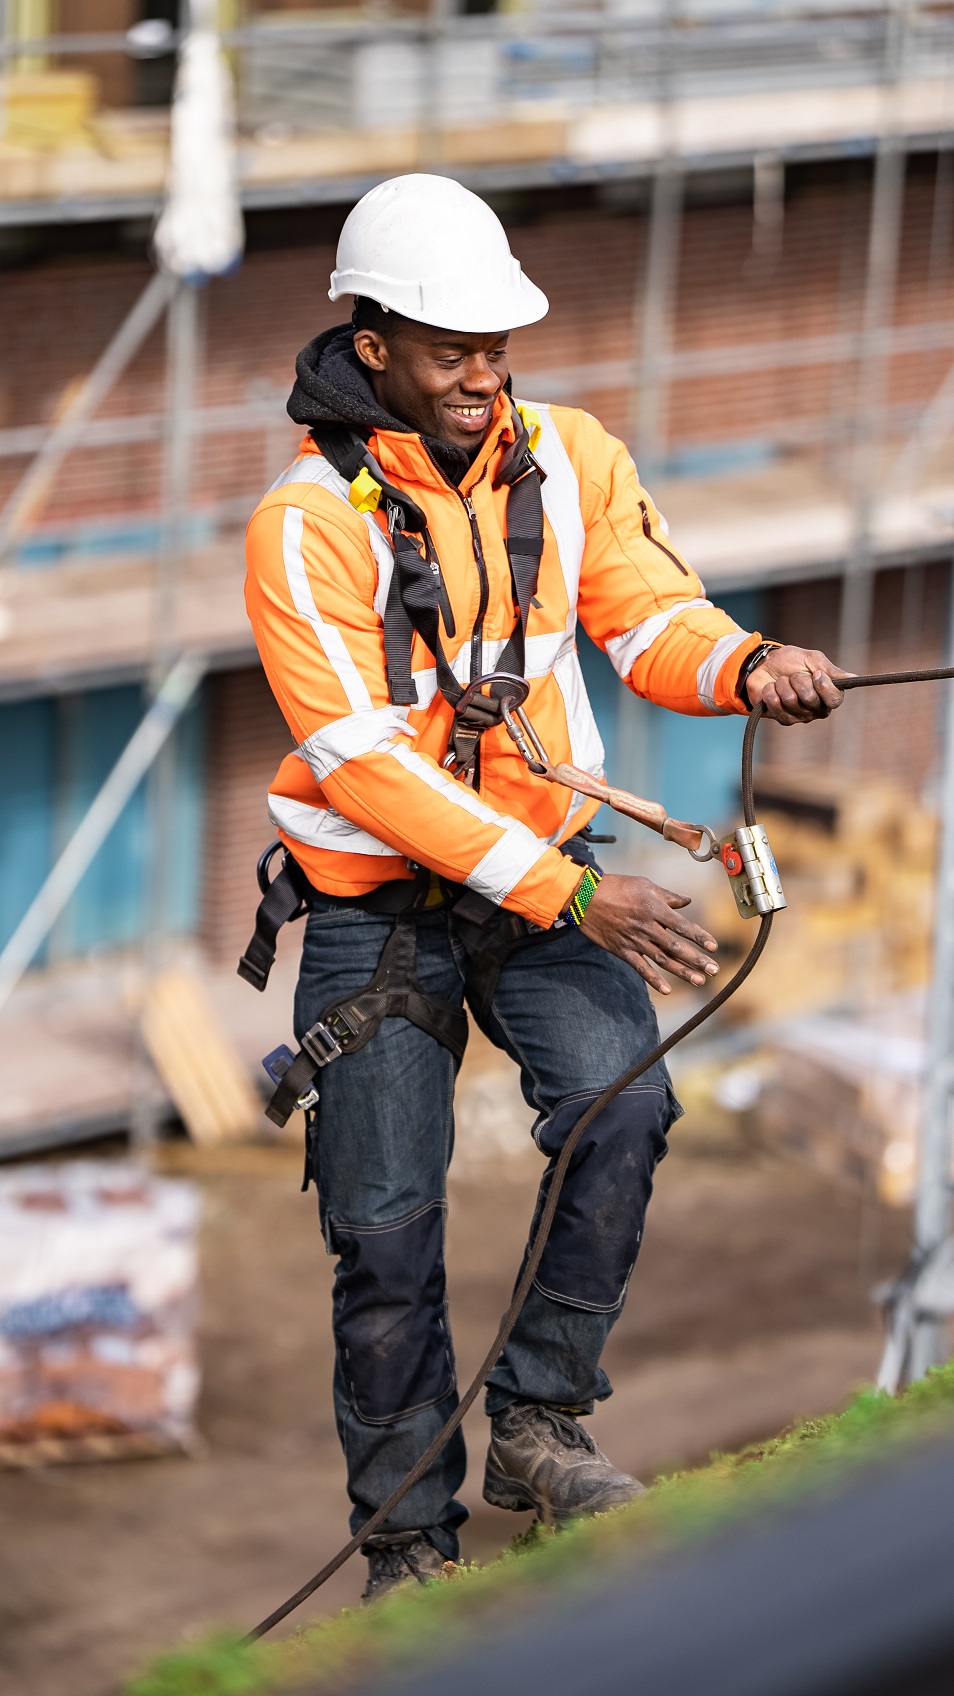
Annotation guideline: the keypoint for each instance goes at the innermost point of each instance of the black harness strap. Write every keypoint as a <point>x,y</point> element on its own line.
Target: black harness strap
<point>489,935</point>
<point>417,597</point>
<point>347,1025</point>
<point>287,897</point>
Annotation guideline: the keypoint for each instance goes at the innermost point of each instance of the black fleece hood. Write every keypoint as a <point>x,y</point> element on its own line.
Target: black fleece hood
<point>332,391</point>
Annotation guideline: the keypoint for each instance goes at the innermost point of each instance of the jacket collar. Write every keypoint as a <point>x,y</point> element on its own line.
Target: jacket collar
<point>403,456</point>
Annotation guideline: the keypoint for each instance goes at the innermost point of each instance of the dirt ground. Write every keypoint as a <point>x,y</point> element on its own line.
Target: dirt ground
<point>749,1308</point>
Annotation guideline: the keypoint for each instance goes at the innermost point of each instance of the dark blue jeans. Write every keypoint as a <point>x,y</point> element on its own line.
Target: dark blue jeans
<point>572,1017</point>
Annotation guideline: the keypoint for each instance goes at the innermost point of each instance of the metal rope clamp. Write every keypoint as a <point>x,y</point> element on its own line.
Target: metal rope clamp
<point>752,872</point>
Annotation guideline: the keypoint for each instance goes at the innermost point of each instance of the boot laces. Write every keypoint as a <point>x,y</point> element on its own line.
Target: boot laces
<point>566,1428</point>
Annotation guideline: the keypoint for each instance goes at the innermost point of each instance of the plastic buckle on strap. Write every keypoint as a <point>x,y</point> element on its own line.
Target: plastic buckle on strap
<point>277,1063</point>
<point>321,1044</point>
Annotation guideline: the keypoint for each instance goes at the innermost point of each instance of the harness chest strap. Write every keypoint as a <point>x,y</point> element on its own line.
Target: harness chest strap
<point>417,598</point>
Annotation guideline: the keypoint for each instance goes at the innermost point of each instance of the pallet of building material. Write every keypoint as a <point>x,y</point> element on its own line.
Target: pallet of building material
<point>98,1277</point>
<point>857,861</point>
<point>47,109</point>
<point>843,1094</point>
<point>196,1061</point>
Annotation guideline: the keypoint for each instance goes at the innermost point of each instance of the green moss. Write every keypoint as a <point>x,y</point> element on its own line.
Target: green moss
<point>414,1625</point>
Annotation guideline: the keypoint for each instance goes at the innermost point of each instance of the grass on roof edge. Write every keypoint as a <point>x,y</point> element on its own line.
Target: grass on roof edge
<point>415,1625</point>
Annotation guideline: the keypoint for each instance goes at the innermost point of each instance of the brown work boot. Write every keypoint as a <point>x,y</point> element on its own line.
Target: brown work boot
<point>407,1557</point>
<point>541,1457</point>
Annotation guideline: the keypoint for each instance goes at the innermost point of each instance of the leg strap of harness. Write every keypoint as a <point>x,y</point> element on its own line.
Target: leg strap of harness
<point>348,1024</point>
<point>286,897</point>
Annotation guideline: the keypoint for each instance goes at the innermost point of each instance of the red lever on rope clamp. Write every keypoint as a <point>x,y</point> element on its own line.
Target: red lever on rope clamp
<point>731,858</point>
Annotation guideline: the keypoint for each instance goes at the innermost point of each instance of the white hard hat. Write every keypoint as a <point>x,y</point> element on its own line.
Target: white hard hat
<point>426,247</point>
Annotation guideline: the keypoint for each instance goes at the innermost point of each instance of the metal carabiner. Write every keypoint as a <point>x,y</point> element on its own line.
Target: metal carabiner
<point>506,693</point>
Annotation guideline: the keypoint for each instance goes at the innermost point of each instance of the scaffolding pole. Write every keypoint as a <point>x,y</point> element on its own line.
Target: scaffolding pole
<point>932,1210</point>
<point>884,240</point>
<point>661,277</point>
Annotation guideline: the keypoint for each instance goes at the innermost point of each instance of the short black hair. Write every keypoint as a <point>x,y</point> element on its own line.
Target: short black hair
<point>370,315</point>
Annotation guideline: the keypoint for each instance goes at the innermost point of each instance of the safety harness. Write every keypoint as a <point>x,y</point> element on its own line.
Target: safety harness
<point>487,933</point>
<point>417,597</point>
<point>417,600</point>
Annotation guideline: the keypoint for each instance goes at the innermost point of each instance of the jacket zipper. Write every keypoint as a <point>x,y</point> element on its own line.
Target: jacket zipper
<point>477,635</point>
<point>443,599</point>
<point>648,533</point>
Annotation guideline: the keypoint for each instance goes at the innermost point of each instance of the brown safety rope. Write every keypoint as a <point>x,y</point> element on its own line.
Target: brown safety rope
<point>940,674</point>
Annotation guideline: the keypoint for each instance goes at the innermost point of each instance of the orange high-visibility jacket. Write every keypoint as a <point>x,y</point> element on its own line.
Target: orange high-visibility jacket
<point>364,791</point>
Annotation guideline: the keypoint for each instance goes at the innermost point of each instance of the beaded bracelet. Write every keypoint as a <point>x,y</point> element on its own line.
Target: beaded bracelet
<point>588,886</point>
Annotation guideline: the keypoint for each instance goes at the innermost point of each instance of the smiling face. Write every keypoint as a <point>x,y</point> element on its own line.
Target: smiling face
<point>440,382</point>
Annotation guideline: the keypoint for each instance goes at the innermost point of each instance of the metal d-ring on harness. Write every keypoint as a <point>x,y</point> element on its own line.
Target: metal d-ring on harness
<point>536,1248</point>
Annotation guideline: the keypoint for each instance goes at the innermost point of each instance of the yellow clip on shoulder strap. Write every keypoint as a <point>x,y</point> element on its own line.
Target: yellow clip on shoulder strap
<point>531,423</point>
<point>364,493</point>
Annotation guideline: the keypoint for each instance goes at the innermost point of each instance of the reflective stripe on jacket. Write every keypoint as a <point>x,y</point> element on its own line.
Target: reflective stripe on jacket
<point>364,791</point>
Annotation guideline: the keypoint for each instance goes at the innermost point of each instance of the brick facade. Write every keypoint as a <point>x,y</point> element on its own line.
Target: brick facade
<point>55,317</point>
<point>899,734</point>
<point>248,739</point>
<point>57,313</point>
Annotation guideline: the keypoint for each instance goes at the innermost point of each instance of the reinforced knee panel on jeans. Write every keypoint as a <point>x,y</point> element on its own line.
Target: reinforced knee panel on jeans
<point>389,1316</point>
<point>598,1226</point>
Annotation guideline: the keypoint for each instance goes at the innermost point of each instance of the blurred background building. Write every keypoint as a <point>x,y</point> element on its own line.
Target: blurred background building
<point>743,216</point>
<point>743,220</point>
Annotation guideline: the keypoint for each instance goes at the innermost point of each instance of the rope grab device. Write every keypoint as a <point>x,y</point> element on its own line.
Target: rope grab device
<point>747,860</point>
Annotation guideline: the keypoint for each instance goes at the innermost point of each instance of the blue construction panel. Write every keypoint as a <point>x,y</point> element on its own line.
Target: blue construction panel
<point>108,907</point>
<point>54,756</point>
<point>27,743</point>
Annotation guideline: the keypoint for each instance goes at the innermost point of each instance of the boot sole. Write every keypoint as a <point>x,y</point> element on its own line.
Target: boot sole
<point>503,1492</point>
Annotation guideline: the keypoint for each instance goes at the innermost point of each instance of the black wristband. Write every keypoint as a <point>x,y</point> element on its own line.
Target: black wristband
<point>749,664</point>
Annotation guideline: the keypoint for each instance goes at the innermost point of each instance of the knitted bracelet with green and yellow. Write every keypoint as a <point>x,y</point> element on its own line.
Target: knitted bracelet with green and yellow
<point>585,892</point>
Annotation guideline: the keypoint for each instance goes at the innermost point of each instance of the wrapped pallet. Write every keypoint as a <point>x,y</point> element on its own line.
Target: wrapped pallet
<point>843,1093</point>
<point>98,1286</point>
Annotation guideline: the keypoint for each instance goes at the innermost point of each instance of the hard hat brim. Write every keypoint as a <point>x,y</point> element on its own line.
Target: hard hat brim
<point>449,303</point>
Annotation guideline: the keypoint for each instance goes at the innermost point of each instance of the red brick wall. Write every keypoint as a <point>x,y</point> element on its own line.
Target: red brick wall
<point>248,739</point>
<point>56,318</point>
<point>899,727</point>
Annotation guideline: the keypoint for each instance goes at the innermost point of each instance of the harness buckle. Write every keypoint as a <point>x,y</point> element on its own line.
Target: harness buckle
<point>320,1043</point>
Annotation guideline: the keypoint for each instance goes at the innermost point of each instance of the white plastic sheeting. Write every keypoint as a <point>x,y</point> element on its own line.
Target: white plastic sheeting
<point>98,1276</point>
<point>200,232</point>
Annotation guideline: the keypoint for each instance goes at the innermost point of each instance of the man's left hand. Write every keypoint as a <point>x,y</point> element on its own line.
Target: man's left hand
<point>795,685</point>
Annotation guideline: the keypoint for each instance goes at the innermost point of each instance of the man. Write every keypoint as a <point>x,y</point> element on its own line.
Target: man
<point>417,471</point>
